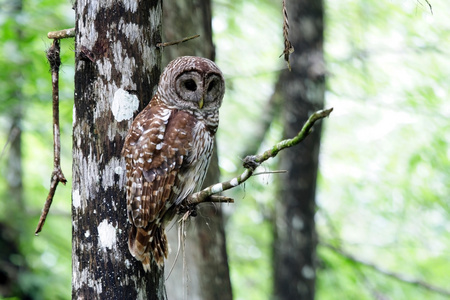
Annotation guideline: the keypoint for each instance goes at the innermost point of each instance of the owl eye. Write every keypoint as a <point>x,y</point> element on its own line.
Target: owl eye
<point>211,86</point>
<point>190,85</point>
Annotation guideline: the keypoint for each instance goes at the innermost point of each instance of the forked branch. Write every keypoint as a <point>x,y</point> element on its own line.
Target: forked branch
<point>54,59</point>
<point>251,162</point>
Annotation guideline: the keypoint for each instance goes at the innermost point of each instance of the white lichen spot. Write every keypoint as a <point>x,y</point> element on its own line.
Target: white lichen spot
<point>217,188</point>
<point>308,272</point>
<point>113,168</point>
<point>76,199</point>
<point>234,182</point>
<point>124,105</point>
<point>118,170</point>
<point>127,263</point>
<point>87,234</point>
<point>297,223</point>
<point>131,5</point>
<point>74,113</point>
<point>106,235</point>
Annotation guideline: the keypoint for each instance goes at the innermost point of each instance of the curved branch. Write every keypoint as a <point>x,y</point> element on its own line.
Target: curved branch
<point>251,162</point>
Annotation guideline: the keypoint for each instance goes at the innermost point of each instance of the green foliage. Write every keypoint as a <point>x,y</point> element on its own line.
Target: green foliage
<point>384,170</point>
<point>43,262</point>
<point>384,182</point>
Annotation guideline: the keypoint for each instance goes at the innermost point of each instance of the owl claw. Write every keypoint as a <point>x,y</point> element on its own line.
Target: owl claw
<point>187,209</point>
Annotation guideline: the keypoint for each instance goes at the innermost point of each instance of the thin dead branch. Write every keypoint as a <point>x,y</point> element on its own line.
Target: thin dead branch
<point>252,162</point>
<point>61,34</point>
<point>429,5</point>
<point>162,45</point>
<point>396,276</point>
<point>53,57</point>
<point>11,137</point>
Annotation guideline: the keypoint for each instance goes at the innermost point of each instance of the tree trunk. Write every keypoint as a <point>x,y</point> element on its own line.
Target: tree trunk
<point>116,62</point>
<point>12,227</point>
<point>303,92</point>
<point>205,257</point>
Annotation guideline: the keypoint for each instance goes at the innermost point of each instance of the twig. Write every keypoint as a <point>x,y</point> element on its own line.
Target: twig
<point>251,162</point>
<point>162,45</point>
<point>11,137</point>
<point>61,34</point>
<point>54,59</point>
<point>270,172</point>
<point>429,5</point>
<point>288,48</point>
<point>397,276</point>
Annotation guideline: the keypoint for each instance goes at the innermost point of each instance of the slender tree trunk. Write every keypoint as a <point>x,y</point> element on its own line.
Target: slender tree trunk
<point>203,267</point>
<point>12,227</point>
<point>303,92</point>
<point>117,69</point>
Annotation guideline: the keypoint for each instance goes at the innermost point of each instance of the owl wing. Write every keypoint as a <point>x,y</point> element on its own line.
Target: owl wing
<point>156,149</point>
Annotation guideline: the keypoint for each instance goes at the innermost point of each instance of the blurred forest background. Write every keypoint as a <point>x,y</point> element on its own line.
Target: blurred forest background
<point>383,196</point>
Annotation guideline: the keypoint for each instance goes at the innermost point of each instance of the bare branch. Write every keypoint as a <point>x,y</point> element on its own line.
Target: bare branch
<point>397,276</point>
<point>11,137</point>
<point>61,34</point>
<point>54,59</point>
<point>162,45</point>
<point>251,162</point>
<point>429,5</point>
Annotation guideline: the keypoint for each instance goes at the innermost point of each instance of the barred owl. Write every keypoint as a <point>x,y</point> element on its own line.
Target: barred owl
<point>167,151</point>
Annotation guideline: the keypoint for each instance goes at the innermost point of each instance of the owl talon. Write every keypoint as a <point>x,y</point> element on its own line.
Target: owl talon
<point>250,162</point>
<point>188,210</point>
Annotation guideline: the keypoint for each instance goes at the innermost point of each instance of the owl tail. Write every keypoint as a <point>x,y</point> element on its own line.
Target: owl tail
<point>146,242</point>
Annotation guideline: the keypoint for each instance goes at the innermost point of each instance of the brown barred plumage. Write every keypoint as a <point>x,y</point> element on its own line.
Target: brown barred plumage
<point>167,151</point>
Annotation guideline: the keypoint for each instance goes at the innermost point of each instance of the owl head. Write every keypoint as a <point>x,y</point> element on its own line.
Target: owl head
<point>192,83</point>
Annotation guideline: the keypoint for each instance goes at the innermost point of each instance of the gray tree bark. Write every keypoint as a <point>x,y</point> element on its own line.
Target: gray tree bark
<point>303,92</point>
<point>203,266</point>
<point>117,69</point>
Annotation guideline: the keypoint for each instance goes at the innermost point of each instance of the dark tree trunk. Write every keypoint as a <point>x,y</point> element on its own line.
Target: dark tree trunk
<point>116,62</point>
<point>303,93</point>
<point>12,227</point>
<point>204,265</point>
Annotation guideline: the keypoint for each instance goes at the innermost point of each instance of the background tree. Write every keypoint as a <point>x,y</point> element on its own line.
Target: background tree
<point>9,242</point>
<point>302,91</point>
<point>202,263</point>
<point>382,181</point>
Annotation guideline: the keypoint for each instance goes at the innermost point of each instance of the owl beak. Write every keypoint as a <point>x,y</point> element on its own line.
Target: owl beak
<point>200,103</point>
